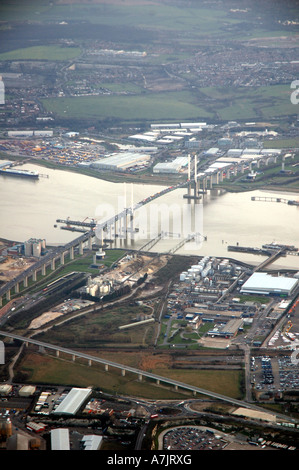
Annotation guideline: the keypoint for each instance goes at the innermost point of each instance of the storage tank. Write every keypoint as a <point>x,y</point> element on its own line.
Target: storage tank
<point>5,428</point>
<point>36,249</point>
<point>105,289</point>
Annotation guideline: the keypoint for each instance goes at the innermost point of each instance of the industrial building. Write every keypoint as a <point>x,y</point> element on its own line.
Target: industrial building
<point>34,247</point>
<point>30,133</point>
<point>73,401</point>
<point>229,330</point>
<point>121,161</point>
<point>97,286</point>
<point>92,442</point>
<point>212,152</point>
<point>60,439</point>
<point>263,283</point>
<point>167,134</point>
<point>27,391</point>
<point>5,389</point>
<point>171,167</point>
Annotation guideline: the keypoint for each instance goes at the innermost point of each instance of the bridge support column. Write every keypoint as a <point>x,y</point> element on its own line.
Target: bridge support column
<point>126,225</point>
<point>116,228</point>
<point>158,382</point>
<point>90,243</point>
<point>196,189</point>
<point>132,226</point>
<point>43,270</point>
<point>194,393</point>
<point>81,248</point>
<point>57,353</point>
<point>176,387</point>
<point>140,377</point>
<point>123,372</point>
<point>101,238</point>
<point>53,264</point>
<point>17,288</point>
<point>72,253</point>
<point>1,301</point>
<point>106,367</point>
<point>25,282</point>
<point>62,259</point>
<point>89,362</point>
<point>73,357</point>
<point>34,276</point>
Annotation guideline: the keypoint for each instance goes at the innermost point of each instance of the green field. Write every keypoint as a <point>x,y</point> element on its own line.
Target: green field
<point>281,143</point>
<point>260,103</point>
<point>40,369</point>
<point>199,19</point>
<point>42,53</point>
<point>158,16</point>
<point>154,106</point>
<point>243,103</point>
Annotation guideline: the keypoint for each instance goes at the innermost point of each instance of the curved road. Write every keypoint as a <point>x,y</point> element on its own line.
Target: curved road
<point>142,373</point>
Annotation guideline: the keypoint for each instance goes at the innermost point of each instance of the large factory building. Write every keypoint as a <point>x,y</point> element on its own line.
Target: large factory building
<point>121,161</point>
<point>265,284</point>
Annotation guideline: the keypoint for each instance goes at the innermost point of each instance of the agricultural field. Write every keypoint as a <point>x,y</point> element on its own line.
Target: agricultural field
<point>265,102</point>
<point>143,107</point>
<point>262,103</point>
<point>50,53</point>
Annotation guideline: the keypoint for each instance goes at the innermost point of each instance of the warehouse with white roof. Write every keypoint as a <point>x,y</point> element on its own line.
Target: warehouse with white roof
<point>60,439</point>
<point>73,401</point>
<point>171,167</point>
<point>263,283</point>
<point>121,161</point>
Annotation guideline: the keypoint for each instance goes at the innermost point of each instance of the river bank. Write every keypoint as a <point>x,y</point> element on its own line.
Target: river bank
<point>30,209</point>
<point>149,178</point>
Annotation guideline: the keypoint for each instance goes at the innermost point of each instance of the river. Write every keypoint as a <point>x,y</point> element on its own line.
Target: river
<point>30,208</point>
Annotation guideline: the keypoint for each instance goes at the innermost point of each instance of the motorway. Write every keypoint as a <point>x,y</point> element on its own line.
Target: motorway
<point>141,373</point>
<point>58,251</point>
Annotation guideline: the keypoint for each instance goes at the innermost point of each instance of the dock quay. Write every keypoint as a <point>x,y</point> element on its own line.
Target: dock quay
<point>290,202</point>
<point>248,249</point>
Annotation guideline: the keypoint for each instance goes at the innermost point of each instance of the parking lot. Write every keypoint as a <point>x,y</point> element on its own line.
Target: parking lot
<point>193,438</point>
<point>274,374</point>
